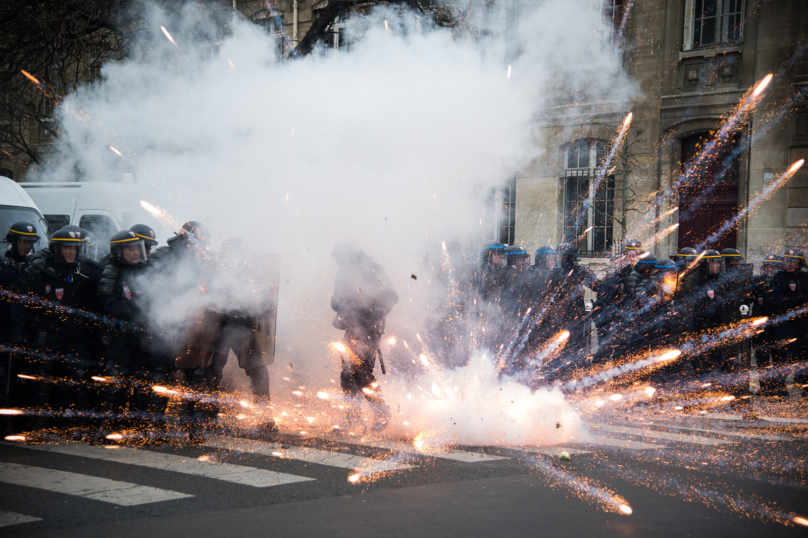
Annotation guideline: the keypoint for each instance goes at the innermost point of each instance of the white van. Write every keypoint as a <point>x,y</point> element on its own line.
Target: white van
<point>16,206</point>
<point>102,208</point>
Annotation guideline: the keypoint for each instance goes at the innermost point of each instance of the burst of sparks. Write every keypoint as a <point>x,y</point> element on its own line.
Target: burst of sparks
<point>30,77</point>
<point>150,208</point>
<point>10,412</point>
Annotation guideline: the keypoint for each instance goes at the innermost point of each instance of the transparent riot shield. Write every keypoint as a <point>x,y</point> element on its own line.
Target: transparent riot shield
<point>259,349</point>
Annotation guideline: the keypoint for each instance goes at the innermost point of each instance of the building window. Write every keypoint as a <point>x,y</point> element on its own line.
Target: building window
<point>587,225</point>
<point>613,12</point>
<point>710,23</point>
<point>506,230</point>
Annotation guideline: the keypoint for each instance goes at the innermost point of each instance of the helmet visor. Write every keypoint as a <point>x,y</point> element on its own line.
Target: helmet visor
<point>131,252</point>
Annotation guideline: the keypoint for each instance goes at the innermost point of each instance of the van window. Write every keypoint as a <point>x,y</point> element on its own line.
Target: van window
<point>56,222</point>
<point>101,227</point>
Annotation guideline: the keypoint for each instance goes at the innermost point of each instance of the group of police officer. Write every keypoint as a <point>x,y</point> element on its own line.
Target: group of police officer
<point>643,303</point>
<point>77,337</point>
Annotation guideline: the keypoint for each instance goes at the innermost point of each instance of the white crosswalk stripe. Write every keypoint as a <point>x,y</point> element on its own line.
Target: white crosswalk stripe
<point>90,487</point>
<point>238,474</point>
<point>550,450</point>
<point>656,434</point>
<point>401,446</point>
<point>311,455</point>
<point>13,518</point>
<point>779,420</point>
<point>725,432</point>
<point>622,443</point>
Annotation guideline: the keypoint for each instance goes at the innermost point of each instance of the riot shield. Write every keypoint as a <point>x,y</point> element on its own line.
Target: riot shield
<point>201,338</point>
<point>259,349</point>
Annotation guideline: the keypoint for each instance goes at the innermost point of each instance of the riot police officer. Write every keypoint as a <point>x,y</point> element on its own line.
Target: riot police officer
<point>765,339</point>
<point>363,297</point>
<point>58,276</point>
<point>21,238</point>
<point>146,233</point>
<point>570,311</point>
<point>489,277</point>
<point>517,292</point>
<point>685,256</point>
<point>708,307</point>
<point>788,292</point>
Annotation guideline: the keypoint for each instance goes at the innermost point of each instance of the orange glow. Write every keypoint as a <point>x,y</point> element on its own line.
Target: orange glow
<point>796,166</point>
<point>760,321</point>
<point>627,121</point>
<point>23,376</point>
<point>800,521</point>
<point>10,412</point>
<point>15,438</point>
<point>762,85</point>
<point>563,336</point>
<point>30,77</point>
<point>626,509</point>
<point>114,436</point>
<point>99,378</point>
<point>354,478</point>
<point>159,390</point>
<point>339,347</point>
<point>150,208</point>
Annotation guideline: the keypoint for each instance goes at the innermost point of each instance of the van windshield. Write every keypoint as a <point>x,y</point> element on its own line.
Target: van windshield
<point>11,214</point>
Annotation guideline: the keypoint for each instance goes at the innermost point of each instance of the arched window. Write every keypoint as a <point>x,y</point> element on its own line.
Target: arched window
<point>587,215</point>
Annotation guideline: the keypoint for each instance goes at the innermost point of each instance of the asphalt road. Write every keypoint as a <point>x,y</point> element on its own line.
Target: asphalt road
<point>693,476</point>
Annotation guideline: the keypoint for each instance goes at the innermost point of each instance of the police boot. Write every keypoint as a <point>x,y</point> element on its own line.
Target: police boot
<point>259,381</point>
<point>213,383</point>
<point>155,405</point>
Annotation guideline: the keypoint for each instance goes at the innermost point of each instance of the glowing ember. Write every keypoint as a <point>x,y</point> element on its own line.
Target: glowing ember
<point>168,36</point>
<point>418,443</point>
<point>678,407</point>
<point>243,403</point>
<point>24,376</point>
<point>99,378</point>
<point>650,391</point>
<point>508,74</point>
<point>800,521</point>
<point>760,321</point>
<point>241,417</point>
<point>150,208</point>
<point>29,76</point>
<point>14,438</point>
<point>158,389</point>
<point>322,395</point>
<point>354,478</point>
<point>600,403</point>
<point>626,509</point>
<point>616,397</point>
<point>424,360</point>
<point>704,386</point>
<point>628,119</point>
<point>114,436</point>
<point>10,412</point>
<point>310,419</point>
<point>563,336</point>
<point>339,347</point>
<point>203,458</point>
<point>727,398</point>
<point>796,166</point>
<point>118,153</point>
<point>297,393</point>
<point>670,355</point>
<point>391,341</point>
<point>762,85</point>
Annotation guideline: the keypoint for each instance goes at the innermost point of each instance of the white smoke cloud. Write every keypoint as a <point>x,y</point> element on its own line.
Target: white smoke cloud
<point>396,142</point>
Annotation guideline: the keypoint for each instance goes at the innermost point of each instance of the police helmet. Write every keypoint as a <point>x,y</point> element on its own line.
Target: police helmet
<point>686,255</point>
<point>516,255</point>
<point>646,263</point>
<point>773,259</point>
<point>196,233</point>
<point>710,258</point>
<point>793,253</point>
<point>65,238</point>
<point>146,233</point>
<point>731,256</point>
<point>543,253</point>
<point>632,246</point>
<point>665,265</point>
<point>490,248</point>
<point>22,230</point>
<point>128,247</point>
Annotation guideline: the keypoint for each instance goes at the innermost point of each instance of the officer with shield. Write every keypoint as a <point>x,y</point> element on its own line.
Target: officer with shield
<point>363,297</point>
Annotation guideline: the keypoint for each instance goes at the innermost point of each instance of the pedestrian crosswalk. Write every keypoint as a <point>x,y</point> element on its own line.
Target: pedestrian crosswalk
<point>249,462</point>
<point>81,485</point>
<point>238,474</point>
<point>310,455</point>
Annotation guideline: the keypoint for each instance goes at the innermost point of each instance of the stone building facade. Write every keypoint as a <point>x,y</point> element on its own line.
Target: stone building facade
<point>694,61</point>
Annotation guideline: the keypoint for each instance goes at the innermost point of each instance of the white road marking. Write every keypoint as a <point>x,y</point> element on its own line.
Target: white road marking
<point>401,446</point>
<point>780,420</point>
<point>655,434</point>
<point>238,474</point>
<point>723,432</point>
<point>622,443</point>
<point>13,518</point>
<point>312,455</point>
<point>550,450</point>
<point>81,485</point>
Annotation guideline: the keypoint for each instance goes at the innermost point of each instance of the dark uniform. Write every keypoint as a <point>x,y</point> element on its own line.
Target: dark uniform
<point>708,308</point>
<point>789,292</point>
<point>765,339</point>
<point>57,276</point>
<point>569,311</point>
<point>363,297</point>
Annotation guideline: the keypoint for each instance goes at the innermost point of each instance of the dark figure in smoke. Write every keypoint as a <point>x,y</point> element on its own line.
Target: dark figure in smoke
<point>570,310</point>
<point>489,277</point>
<point>363,297</point>
<point>789,291</point>
<point>127,352</point>
<point>21,238</point>
<point>517,292</point>
<point>57,275</point>
<point>146,233</point>
<point>236,332</point>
